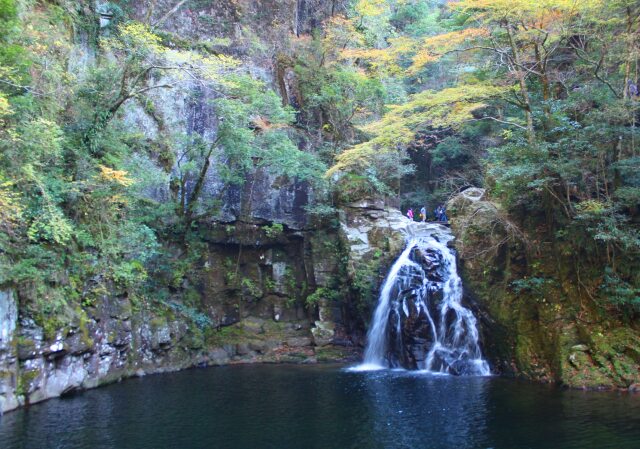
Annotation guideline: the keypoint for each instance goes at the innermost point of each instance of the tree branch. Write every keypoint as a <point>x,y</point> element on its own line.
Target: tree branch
<point>172,11</point>
<point>505,122</point>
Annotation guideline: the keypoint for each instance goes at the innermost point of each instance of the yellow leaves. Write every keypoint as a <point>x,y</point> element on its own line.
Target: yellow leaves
<point>446,108</point>
<point>143,48</point>
<point>118,177</point>
<point>539,12</point>
<point>451,40</point>
<point>139,36</point>
<point>383,58</point>
<point>425,50</point>
<point>340,32</point>
<point>592,206</point>
<point>191,65</point>
<point>371,8</point>
<point>434,47</point>
<point>5,109</point>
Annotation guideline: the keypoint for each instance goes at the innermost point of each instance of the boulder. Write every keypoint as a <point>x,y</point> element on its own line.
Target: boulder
<point>323,333</point>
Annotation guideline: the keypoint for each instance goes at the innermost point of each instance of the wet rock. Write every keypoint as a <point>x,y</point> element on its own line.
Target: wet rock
<point>218,357</point>
<point>8,318</point>
<point>323,333</point>
<point>243,349</point>
<point>9,398</point>
<point>253,325</point>
<point>298,342</point>
<point>368,203</point>
<point>78,344</point>
<point>581,348</point>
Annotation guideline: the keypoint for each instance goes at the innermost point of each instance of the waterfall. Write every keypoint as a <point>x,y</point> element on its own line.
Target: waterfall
<point>420,322</point>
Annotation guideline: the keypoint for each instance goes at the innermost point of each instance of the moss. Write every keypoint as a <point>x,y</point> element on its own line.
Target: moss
<point>25,379</point>
<point>226,335</point>
<point>83,321</point>
<point>333,354</point>
<point>158,322</point>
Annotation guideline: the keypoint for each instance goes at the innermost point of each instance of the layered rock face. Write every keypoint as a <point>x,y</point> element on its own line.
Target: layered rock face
<point>253,311</point>
<point>254,281</point>
<point>543,328</point>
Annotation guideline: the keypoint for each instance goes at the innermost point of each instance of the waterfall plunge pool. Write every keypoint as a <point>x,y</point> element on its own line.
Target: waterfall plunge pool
<point>328,407</point>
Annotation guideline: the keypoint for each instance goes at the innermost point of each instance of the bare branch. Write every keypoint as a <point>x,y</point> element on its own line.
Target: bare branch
<point>505,122</point>
<point>168,14</point>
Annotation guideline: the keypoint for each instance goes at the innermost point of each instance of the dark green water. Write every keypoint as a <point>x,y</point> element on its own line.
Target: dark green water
<point>287,407</point>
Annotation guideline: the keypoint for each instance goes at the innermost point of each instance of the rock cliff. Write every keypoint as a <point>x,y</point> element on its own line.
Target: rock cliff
<point>263,285</point>
<point>541,327</point>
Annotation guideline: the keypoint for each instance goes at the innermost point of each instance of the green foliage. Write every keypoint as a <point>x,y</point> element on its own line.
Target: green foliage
<point>533,285</point>
<point>320,294</point>
<point>202,321</point>
<point>274,230</point>
<point>619,291</point>
<point>389,96</point>
<point>250,289</point>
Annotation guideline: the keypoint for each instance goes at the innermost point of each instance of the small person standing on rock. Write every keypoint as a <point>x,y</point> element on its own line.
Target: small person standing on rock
<point>410,214</point>
<point>423,214</point>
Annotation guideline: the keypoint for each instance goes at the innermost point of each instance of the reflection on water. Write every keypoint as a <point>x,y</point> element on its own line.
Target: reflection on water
<point>325,407</point>
<point>407,406</point>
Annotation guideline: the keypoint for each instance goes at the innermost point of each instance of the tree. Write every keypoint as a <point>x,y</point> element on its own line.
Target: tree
<point>397,129</point>
<point>140,63</point>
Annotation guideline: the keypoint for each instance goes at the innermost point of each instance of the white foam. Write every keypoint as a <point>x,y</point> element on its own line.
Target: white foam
<point>366,367</point>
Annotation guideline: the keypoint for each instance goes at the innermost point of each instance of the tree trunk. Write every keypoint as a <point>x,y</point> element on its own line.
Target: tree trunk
<point>523,85</point>
<point>546,88</point>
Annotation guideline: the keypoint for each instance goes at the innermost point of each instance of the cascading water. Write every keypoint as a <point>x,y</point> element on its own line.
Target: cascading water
<point>419,322</point>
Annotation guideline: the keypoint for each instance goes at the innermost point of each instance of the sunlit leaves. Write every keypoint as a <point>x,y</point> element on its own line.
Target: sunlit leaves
<point>540,12</point>
<point>371,7</point>
<point>135,39</point>
<point>432,48</point>
<point>447,108</point>
<point>40,142</point>
<point>5,109</point>
<point>118,177</point>
<point>11,207</point>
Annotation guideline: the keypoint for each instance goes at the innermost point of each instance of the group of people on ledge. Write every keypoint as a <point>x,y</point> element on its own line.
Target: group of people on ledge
<point>440,214</point>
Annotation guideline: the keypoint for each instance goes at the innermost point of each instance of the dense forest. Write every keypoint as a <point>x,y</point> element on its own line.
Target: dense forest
<point>409,100</point>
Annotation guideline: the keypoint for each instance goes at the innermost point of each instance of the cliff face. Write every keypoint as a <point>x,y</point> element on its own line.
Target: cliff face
<point>544,327</point>
<point>252,310</point>
<point>265,282</point>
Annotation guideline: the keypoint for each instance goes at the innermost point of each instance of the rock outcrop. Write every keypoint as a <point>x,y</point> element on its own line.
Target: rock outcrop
<point>264,293</point>
<point>543,327</point>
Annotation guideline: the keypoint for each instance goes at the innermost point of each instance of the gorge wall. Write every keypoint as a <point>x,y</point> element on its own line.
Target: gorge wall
<point>546,328</point>
<point>299,296</point>
<point>263,284</point>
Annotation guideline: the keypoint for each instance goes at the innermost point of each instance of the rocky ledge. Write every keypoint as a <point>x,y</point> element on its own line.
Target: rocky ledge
<point>116,341</point>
